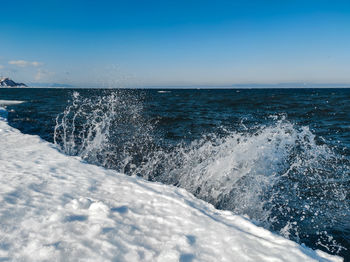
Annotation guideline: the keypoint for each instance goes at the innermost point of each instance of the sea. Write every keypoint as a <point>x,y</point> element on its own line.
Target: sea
<point>280,157</point>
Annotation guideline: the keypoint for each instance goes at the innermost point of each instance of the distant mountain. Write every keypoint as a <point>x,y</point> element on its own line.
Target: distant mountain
<point>60,85</point>
<point>7,82</point>
<point>50,85</point>
<point>291,85</point>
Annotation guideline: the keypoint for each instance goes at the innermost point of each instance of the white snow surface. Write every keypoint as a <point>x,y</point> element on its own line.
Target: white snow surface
<point>58,208</point>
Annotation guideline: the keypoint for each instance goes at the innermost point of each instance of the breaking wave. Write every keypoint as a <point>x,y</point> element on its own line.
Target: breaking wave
<point>276,174</point>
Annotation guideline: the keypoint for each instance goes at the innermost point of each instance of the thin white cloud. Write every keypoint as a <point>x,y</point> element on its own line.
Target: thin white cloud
<point>39,75</point>
<point>42,74</point>
<point>23,63</point>
<point>1,66</point>
<point>35,63</point>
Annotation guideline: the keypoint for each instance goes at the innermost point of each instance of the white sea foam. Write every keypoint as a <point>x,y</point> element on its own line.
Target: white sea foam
<point>59,208</point>
<point>10,102</point>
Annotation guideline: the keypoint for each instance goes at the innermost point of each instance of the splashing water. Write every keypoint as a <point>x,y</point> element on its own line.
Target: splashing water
<point>105,130</point>
<point>277,174</point>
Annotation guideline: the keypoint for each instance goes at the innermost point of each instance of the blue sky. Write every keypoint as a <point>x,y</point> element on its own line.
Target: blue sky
<point>145,43</point>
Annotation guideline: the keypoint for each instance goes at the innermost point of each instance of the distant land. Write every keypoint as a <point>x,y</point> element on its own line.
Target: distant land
<point>292,85</point>
<point>51,85</point>
<point>7,82</point>
<point>253,85</point>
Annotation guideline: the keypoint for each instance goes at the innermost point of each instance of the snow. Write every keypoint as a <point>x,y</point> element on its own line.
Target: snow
<point>57,208</point>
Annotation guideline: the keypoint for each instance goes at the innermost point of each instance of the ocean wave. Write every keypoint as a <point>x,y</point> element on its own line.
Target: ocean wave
<point>277,174</point>
<point>10,102</point>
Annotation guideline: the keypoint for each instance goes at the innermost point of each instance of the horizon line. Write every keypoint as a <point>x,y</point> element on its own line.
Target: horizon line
<point>154,86</point>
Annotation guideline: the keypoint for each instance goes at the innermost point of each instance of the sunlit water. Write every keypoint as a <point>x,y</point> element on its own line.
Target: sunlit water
<point>280,157</point>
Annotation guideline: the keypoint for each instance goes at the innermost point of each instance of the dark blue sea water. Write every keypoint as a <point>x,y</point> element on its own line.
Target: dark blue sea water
<point>279,156</point>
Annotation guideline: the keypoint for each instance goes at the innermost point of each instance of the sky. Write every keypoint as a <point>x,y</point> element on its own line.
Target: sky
<point>174,43</point>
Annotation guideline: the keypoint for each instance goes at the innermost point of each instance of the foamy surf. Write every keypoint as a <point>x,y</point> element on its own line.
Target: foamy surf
<point>276,174</point>
<point>56,207</point>
<point>10,102</point>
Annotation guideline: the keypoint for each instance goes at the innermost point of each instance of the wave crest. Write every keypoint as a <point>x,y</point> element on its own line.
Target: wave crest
<point>277,174</point>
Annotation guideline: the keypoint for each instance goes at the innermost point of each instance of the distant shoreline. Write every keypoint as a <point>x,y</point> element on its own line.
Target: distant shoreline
<point>172,88</point>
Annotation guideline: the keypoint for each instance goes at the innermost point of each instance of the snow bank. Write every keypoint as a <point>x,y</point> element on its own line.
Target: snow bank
<point>57,208</point>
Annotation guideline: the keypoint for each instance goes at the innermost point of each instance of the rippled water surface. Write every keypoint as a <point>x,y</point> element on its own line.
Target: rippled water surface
<point>279,156</point>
